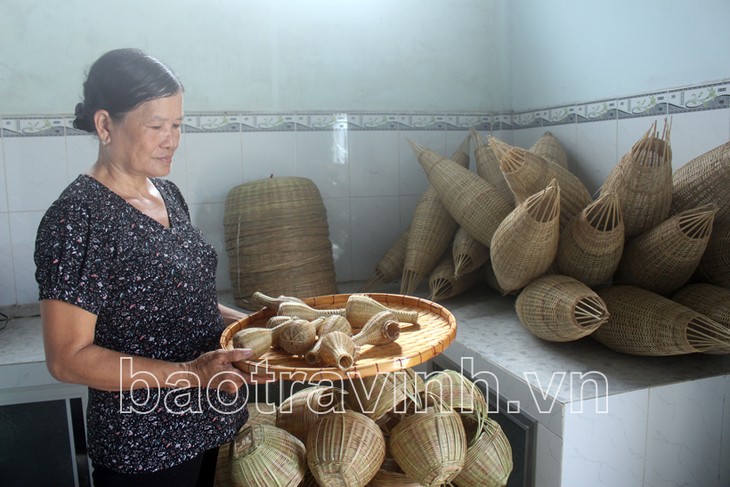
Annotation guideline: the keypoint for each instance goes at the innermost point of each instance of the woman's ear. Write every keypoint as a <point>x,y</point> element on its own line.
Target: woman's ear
<point>103,125</point>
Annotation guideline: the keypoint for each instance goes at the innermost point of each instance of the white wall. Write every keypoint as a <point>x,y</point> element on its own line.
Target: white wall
<point>265,55</point>
<point>563,51</point>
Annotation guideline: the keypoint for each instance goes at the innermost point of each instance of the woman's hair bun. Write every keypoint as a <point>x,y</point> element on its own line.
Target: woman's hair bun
<point>82,121</point>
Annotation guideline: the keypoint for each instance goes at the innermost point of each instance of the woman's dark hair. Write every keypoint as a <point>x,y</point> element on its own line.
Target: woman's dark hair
<point>119,81</point>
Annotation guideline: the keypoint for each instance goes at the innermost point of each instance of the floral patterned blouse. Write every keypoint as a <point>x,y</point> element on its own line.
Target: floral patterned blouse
<point>152,289</point>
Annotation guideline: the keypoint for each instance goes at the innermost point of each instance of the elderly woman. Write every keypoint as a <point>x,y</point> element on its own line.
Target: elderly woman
<point>127,290</point>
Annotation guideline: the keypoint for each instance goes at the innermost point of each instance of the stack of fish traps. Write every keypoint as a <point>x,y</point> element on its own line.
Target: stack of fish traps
<point>580,265</point>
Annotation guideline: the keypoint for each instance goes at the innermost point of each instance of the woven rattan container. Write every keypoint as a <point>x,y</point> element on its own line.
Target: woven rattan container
<point>704,180</point>
<point>488,459</point>
<point>526,242</point>
<point>488,168</point>
<point>560,309</point>
<point>549,147</point>
<point>664,258</point>
<point>390,265</point>
<point>642,180</point>
<point>712,301</point>
<point>592,244</point>
<point>467,252</point>
<point>715,264</point>
<point>277,239</point>
<point>646,323</point>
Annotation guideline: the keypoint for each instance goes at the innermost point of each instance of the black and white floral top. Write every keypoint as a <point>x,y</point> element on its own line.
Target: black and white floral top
<point>152,289</point>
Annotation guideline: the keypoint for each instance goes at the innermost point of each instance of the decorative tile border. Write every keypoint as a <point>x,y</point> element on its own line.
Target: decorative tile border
<point>682,100</point>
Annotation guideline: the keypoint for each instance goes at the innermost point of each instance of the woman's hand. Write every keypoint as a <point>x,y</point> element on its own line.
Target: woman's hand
<point>215,370</point>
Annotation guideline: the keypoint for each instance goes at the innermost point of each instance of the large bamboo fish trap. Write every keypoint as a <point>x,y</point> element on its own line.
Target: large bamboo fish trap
<point>390,266</point>
<point>488,459</point>
<point>592,244</point>
<point>467,252</point>
<point>443,282</point>
<point>263,455</point>
<point>712,301</point>
<point>549,148</point>
<point>474,203</point>
<point>704,180</point>
<point>715,264</point>
<point>345,449</point>
<point>527,173</point>
<point>664,258</point>
<point>277,239</point>
<point>488,168</point>
<point>642,180</point>
<point>526,242</point>
<point>559,308</point>
<point>432,228</point>
<point>646,323</point>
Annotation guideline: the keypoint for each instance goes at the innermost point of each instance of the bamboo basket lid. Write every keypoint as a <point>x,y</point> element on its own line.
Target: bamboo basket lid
<point>417,343</point>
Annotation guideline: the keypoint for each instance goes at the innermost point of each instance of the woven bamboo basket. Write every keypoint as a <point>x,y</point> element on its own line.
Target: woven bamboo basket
<point>277,239</point>
<point>646,323</point>
<point>298,412</point>
<point>549,148</point>
<point>664,258</point>
<point>443,282</point>
<point>715,264</point>
<point>527,173</point>
<point>386,478</point>
<point>488,168</point>
<point>474,203</point>
<point>384,396</point>
<point>467,252</point>
<point>591,245</point>
<point>345,449</point>
<point>390,266</point>
<point>488,460</point>
<point>264,455</point>
<point>457,392</point>
<point>560,309</point>
<point>712,301</point>
<point>704,180</point>
<point>526,242</point>
<point>642,180</point>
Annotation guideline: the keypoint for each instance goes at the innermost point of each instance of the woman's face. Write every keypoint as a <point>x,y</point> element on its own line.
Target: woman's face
<point>144,141</point>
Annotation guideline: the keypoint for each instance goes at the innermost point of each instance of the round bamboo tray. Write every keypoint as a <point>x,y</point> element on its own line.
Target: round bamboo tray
<point>417,343</point>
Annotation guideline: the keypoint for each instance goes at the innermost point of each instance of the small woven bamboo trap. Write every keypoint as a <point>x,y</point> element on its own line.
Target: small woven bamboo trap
<point>704,180</point>
<point>301,410</point>
<point>488,168</point>
<point>265,455</point>
<point>527,173</point>
<point>443,282</point>
<point>467,252</point>
<point>345,449</point>
<point>385,396</point>
<point>277,239</point>
<point>390,266</point>
<point>664,258</point>
<point>591,245</point>
<point>430,446</point>
<point>488,459</point>
<point>715,264</point>
<point>549,148</point>
<point>526,242</point>
<point>560,309</point>
<point>646,323</point>
<point>712,301</point>
<point>642,180</point>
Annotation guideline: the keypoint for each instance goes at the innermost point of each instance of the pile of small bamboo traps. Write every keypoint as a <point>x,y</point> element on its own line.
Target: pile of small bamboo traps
<point>386,430</point>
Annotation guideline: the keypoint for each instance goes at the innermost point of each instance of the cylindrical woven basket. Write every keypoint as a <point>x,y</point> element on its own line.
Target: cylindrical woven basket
<point>277,239</point>
<point>488,168</point>
<point>264,455</point>
<point>591,245</point>
<point>715,264</point>
<point>560,309</point>
<point>642,180</point>
<point>390,266</point>
<point>664,258</point>
<point>527,173</point>
<point>488,460</point>
<point>646,323</point>
<point>467,252</point>
<point>474,203</point>
<point>703,180</point>
<point>526,242</point>
<point>345,449</point>
<point>443,282</point>
<point>549,148</point>
<point>710,300</point>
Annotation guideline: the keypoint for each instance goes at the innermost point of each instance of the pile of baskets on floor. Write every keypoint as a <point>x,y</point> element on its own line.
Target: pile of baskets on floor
<point>644,267</point>
<point>391,429</point>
